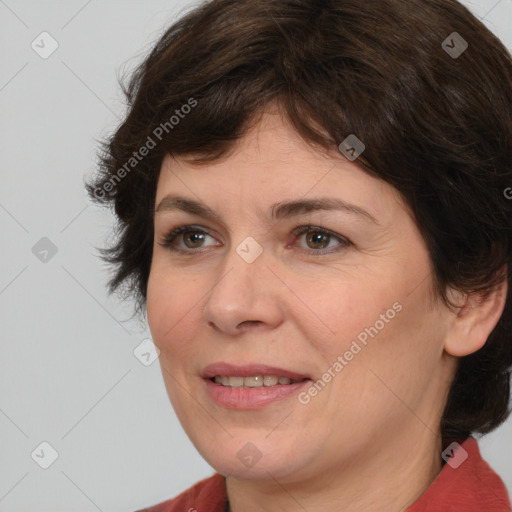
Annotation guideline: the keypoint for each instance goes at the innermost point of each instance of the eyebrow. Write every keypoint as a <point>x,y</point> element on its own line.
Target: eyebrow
<point>278,211</point>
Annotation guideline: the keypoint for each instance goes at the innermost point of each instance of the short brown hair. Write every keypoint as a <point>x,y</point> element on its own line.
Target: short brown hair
<point>424,84</point>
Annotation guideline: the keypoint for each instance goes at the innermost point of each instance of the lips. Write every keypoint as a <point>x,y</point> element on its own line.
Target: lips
<point>223,386</point>
<point>230,370</point>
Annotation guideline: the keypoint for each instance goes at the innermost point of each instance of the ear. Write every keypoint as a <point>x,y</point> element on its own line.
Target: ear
<point>474,320</point>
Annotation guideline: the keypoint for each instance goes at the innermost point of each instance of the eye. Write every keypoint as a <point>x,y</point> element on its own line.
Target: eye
<point>190,239</point>
<point>320,239</point>
<point>186,239</point>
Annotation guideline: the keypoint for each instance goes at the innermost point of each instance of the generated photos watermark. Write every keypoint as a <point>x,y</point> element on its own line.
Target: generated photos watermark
<point>454,455</point>
<point>455,45</point>
<point>150,143</point>
<point>355,348</point>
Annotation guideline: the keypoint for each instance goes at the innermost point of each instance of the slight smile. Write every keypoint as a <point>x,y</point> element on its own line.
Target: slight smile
<point>251,386</point>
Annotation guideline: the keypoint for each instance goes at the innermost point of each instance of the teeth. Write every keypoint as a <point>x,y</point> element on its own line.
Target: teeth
<point>270,380</point>
<point>236,382</point>
<point>256,381</point>
<point>253,382</point>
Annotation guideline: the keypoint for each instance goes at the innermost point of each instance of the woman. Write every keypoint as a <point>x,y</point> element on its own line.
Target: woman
<point>312,207</point>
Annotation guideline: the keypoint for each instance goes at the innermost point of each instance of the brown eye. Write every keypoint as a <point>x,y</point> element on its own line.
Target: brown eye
<point>320,240</point>
<point>186,239</point>
<point>193,239</point>
<point>317,240</point>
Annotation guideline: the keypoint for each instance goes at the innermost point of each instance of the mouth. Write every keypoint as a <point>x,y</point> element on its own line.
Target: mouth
<point>251,386</point>
<point>254,381</point>
<point>251,375</point>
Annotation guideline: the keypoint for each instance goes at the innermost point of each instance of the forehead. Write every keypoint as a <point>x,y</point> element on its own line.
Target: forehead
<point>272,163</point>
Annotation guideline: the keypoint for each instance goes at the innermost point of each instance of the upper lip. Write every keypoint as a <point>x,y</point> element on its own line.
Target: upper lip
<point>227,369</point>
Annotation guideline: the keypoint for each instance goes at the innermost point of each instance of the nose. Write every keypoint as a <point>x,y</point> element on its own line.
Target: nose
<point>246,296</point>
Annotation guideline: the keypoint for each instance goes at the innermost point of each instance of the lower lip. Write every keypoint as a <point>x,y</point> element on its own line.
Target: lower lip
<point>251,398</point>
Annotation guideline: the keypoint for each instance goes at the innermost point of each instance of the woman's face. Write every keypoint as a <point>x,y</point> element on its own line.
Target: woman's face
<point>294,264</point>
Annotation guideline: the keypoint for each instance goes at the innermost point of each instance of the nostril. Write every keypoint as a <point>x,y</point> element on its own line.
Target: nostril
<point>248,322</point>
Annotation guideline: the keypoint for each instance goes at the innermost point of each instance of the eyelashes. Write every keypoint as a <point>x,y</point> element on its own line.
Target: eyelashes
<point>322,237</point>
<point>169,241</point>
<point>190,239</point>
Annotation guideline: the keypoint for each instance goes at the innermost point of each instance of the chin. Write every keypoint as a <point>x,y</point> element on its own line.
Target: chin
<point>252,457</point>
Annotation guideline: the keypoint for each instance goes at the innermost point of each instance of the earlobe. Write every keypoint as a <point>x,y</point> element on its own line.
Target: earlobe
<point>474,320</point>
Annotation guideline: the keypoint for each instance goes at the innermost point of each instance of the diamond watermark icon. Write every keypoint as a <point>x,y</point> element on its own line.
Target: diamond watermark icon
<point>44,455</point>
<point>454,455</point>
<point>146,352</point>
<point>249,250</point>
<point>44,250</point>
<point>455,45</point>
<point>352,147</point>
<point>249,454</point>
<point>44,45</point>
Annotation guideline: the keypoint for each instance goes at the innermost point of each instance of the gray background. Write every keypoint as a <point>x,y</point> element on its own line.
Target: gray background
<point>68,373</point>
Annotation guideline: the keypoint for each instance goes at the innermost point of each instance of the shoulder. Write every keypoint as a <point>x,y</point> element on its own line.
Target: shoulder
<point>466,482</point>
<point>208,495</point>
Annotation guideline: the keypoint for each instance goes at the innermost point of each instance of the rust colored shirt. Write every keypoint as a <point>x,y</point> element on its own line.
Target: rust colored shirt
<point>471,487</point>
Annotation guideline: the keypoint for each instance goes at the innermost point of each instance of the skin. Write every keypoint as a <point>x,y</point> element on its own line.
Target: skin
<point>370,440</point>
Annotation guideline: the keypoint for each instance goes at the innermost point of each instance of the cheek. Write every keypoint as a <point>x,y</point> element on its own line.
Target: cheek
<point>376,324</point>
<point>391,350</point>
<point>171,304</point>
<point>347,310</point>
